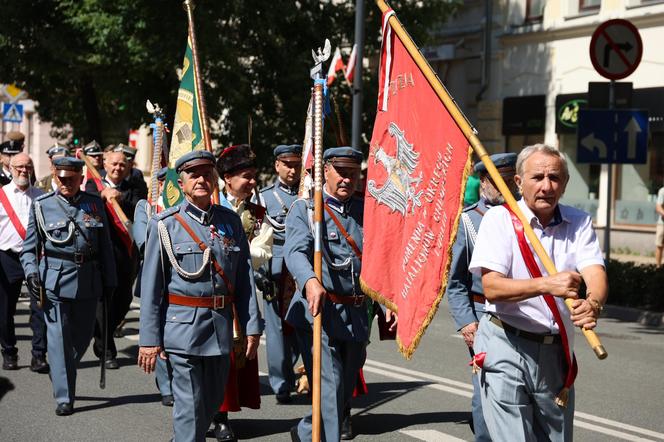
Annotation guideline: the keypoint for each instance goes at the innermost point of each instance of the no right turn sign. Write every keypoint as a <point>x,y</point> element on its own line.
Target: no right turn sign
<point>616,49</point>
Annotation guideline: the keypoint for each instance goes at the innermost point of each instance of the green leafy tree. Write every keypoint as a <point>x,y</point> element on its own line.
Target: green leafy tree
<point>91,64</point>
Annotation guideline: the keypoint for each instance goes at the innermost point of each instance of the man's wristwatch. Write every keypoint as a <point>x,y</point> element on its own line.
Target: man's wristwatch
<point>596,305</point>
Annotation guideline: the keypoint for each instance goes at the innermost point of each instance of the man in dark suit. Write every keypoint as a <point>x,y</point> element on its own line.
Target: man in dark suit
<point>127,193</point>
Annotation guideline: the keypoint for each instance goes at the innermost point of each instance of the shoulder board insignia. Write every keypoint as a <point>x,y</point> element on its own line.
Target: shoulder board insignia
<point>168,212</point>
<point>45,195</point>
<point>266,188</point>
<point>471,207</point>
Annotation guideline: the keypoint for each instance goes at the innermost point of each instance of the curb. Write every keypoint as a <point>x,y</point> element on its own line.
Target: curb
<point>629,314</point>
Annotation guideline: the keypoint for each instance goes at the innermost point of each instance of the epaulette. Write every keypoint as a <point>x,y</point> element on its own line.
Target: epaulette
<point>45,195</point>
<point>309,202</point>
<point>266,188</point>
<point>167,212</point>
<point>471,207</point>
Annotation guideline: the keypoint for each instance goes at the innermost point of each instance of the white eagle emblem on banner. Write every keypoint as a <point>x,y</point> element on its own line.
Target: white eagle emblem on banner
<point>399,191</point>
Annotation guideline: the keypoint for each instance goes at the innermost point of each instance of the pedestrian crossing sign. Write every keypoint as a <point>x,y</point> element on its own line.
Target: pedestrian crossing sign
<point>12,112</point>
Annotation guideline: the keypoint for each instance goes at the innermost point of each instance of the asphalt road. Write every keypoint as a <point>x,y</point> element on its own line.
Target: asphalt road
<point>426,398</point>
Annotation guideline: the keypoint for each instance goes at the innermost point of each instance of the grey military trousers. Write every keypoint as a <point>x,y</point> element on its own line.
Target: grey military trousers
<point>340,363</point>
<point>198,389</point>
<point>69,327</point>
<point>282,350</point>
<point>519,381</point>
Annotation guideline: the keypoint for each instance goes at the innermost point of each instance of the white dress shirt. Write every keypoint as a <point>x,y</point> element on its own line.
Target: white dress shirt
<point>569,240</point>
<point>21,202</point>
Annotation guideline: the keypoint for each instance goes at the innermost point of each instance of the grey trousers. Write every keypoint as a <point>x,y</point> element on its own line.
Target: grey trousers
<point>69,327</point>
<point>520,381</point>
<point>163,374</point>
<point>198,389</point>
<point>282,350</point>
<point>340,363</point>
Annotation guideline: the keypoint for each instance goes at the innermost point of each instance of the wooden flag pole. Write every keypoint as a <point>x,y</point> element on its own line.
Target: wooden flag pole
<point>317,137</point>
<point>318,257</point>
<point>189,6</point>
<point>476,144</point>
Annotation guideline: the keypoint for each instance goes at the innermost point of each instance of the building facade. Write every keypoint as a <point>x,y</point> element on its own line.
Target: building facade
<point>535,79</point>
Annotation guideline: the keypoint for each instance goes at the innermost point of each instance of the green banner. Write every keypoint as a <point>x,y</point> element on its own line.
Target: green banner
<point>187,134</point>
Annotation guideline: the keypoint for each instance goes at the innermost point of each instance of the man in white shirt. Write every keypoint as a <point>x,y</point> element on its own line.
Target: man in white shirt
<point>11,146</point>
<point>15,202</point>
<point>529,368</point>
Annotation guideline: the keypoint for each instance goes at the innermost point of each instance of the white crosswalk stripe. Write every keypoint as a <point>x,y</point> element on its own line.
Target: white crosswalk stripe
<point>430,436</point>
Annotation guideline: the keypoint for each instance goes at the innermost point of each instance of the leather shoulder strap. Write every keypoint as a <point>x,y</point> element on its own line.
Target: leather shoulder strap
<point>202,246</point>
<point>4,200</point>
<point>351,241</point>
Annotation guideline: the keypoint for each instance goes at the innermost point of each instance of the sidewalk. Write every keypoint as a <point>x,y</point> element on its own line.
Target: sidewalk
<point>637,259</point>
<point>629,314</point>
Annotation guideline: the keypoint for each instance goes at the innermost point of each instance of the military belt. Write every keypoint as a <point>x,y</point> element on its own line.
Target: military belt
<point>213,302</point>
<point>535,337</point>
<point>478,297</point>
<point>75,257</point>
<point>356,300</point>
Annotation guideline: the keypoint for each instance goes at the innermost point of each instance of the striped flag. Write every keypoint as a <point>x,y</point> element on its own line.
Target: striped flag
<point>350,67</point>
<point>336,65</point>
<point>187,134</point>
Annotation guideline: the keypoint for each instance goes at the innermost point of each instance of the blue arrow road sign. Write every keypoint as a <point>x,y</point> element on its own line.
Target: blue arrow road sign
<point>612,136</point>
<point>12,112</point>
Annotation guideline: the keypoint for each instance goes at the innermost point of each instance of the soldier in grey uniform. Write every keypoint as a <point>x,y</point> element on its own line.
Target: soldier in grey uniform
<point>8,148</point>
<point>68,253</point>
<point>142,215</point>
<point>47,183</point>
<point>281,343</point>
<point>197,270</point>
<point>94,151</point>
<point>338,297</point>
<point>464,290</point>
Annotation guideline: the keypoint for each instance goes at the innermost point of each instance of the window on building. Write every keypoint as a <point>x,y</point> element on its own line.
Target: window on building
<point>534,10</point>
<point>637,186</point>
<point>589,5</point>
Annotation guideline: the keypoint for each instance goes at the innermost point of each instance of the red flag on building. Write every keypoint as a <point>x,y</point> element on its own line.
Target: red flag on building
<point>418,165</point>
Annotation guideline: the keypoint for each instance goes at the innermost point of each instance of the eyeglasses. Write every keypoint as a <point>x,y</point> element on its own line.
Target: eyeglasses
<point>23,168</point>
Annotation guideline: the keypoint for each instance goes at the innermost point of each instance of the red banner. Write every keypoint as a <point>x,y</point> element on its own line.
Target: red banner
<point>418,162</point>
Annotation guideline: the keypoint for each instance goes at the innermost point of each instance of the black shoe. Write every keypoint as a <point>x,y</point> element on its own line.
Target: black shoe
<point>167,400</point>
<point>64,409</point>
<point>284,398</point>
<point>347,428</point>
<point>39,364</point>
<point>293,434</point>
<point>224,433</point>
<point>112,363</point>
<point>9,362</point>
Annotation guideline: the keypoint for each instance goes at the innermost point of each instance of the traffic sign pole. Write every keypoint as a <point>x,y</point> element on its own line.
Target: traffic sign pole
<point>609,184</point>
